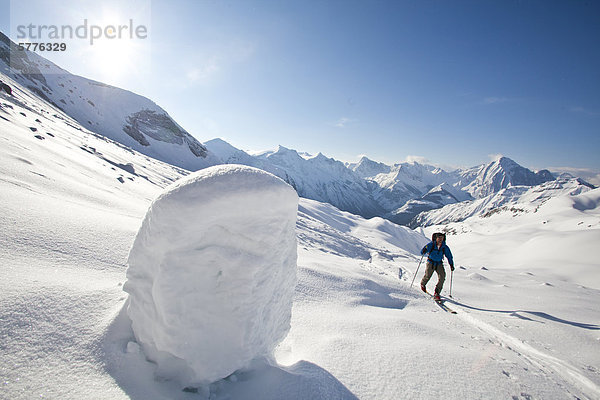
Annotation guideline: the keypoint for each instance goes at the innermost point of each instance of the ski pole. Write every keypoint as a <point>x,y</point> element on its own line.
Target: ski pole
<point>413,281</point>
<point>451,275</point>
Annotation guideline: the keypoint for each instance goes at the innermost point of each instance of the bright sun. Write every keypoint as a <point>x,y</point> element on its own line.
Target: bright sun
<point>117,55</point>
<point>113,58</point>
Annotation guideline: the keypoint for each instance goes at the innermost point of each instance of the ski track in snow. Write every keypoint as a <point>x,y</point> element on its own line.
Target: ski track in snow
<point>545,362</point>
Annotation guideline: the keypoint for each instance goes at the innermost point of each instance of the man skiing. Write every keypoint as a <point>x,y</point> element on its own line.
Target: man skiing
<point>436,249</point>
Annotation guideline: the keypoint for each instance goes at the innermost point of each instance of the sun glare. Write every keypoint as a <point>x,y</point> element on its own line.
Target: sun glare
<point>113,58</point>
<point>122,48</point>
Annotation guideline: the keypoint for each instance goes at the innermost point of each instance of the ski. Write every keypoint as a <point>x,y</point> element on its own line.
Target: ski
<point>444,306</point>
<point>441,303</point>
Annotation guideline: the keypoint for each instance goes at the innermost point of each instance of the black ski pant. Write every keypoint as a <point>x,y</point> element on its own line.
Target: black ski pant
<point>441,272</point>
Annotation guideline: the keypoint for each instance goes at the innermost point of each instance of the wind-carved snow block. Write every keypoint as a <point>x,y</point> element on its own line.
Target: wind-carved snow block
<point>212,271</point>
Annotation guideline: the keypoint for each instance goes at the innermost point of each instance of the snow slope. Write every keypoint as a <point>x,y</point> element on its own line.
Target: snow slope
<point>71,203</point>
<point>525,291</point>
<point>517,199</point>
<point>437,197</point>
<point>118,114</point>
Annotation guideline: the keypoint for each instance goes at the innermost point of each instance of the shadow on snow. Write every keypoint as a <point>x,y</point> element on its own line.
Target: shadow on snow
<point>517,313</point>
<point>262,380</point>
<point>376,295</point>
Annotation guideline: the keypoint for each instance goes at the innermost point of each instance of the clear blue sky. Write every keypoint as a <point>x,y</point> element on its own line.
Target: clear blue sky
<point>452,82</point>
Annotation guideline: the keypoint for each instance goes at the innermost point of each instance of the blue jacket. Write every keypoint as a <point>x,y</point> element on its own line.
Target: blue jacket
<point>436,254</point>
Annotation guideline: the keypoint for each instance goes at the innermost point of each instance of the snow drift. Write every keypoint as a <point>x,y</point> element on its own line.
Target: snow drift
<point>212,271</point>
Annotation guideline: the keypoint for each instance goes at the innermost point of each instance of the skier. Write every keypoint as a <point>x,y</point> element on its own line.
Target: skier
<point>437,248</point>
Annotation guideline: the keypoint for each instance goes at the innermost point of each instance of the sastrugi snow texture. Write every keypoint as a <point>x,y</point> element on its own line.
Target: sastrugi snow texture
<point>212,271</point>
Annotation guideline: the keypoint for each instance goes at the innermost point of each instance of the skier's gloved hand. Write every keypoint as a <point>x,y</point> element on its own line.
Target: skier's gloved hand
<point>424,250</point>
<point>452,268</point>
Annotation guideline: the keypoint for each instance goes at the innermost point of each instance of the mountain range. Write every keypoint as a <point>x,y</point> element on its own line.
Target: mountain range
<point>400,192</point>
<point>404,193</point>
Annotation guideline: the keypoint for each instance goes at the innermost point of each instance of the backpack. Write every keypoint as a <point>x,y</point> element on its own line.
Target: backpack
<point>435,235</point>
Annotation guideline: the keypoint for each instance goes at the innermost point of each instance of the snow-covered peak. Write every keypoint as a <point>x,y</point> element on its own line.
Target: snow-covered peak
<point>366,168</point>
<point>414,175</point>
<point>506,163</point>
<point>284,150</point>
<point>445,188</point>
<point>320,157</point>
<point>545,175</point>
<point>229,154</point>
<point>305,155</point>
<point>261,153</point>
<point>221,148</point>
<point>283,153</point>
<point>499,174</point>
<point>115,113</point>
<point>325,179</point>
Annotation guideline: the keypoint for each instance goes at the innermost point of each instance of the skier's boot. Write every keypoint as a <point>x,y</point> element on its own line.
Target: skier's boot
<point>436,296</point>
<point>423,288</point>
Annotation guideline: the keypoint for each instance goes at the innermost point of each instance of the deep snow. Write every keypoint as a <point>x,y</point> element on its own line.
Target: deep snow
<point>525,289</point>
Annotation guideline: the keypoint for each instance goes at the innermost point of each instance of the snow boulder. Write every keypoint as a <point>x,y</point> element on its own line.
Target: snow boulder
<point>212,271</point>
